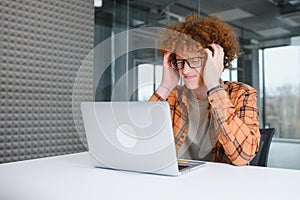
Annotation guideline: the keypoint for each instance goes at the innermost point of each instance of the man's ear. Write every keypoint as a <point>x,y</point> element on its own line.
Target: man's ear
<point>173,56</point>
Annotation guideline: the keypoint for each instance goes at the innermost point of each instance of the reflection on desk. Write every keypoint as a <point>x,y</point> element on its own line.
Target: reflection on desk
<point>74,177</point>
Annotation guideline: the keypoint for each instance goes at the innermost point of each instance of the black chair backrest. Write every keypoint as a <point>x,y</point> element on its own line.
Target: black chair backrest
<point>261,158</point>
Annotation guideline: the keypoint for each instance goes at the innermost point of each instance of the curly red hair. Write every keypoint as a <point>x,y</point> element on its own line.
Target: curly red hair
<point>205,31</point>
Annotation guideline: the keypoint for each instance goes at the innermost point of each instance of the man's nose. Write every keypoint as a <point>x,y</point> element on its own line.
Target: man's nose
<point>186,68</point>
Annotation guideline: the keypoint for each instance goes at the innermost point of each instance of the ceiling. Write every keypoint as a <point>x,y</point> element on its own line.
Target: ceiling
<point>261,23</point>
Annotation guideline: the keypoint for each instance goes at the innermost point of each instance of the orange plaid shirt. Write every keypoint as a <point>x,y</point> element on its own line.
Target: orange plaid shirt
<point>235,135</point>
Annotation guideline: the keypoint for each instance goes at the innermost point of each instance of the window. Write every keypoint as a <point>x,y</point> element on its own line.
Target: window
<point>231,74</point>
<point>281,90</point>
<point>149,77</point>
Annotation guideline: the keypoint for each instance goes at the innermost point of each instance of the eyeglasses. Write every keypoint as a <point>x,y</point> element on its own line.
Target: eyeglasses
<point>178,64</point>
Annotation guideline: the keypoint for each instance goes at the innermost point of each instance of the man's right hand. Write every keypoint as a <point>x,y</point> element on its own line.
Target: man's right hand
<point>170,78</point>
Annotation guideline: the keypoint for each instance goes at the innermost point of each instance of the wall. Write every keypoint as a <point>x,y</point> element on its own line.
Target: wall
<point>43,45</point>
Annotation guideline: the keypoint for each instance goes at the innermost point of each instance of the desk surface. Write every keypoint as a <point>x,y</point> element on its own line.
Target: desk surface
<point>74,177</point>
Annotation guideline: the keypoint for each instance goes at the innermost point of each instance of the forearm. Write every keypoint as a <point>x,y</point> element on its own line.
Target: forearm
<point>239,133</point>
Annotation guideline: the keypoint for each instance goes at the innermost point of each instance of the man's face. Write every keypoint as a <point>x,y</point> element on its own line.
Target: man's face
<point>192,64</point>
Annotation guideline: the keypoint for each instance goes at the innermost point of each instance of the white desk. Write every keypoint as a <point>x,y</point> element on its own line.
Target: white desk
<point>72,177</point>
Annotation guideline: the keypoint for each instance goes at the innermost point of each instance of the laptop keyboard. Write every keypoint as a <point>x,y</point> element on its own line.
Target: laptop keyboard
<point>181,167</point>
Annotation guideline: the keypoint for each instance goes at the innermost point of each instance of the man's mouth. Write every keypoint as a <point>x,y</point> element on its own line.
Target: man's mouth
<point>190,77</point>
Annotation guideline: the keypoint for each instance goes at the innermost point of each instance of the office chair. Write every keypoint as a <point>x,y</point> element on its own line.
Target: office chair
<point>261,158</point>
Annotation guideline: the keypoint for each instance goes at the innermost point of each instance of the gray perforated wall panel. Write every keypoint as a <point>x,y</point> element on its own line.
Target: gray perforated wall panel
<point>43,43</point>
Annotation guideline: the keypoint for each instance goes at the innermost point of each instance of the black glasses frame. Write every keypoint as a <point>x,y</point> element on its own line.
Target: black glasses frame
<point>174,64</point>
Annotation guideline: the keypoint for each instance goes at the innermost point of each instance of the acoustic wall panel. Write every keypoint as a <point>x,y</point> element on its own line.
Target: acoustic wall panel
<point>43,44</point>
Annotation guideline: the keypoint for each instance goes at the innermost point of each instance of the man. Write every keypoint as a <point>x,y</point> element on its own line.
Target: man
<point>212,120</point>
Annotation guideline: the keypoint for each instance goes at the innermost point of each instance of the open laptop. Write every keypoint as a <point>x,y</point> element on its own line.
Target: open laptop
<point>133,136</point>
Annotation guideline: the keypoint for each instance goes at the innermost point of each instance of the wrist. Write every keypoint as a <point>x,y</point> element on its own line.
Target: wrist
<point>212,85</point>
<point>163,91</point>
<point>211,90</point>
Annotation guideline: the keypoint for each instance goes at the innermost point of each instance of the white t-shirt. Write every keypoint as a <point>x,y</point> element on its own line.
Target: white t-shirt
<point>197,145</point>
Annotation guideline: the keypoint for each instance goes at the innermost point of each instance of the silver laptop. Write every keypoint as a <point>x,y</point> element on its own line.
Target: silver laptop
<point>133,136</point>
